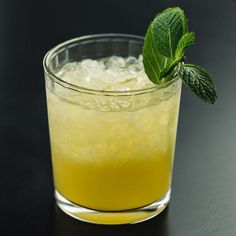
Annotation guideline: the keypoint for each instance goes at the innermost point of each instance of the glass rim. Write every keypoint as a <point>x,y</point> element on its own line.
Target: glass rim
<point>47,58</point>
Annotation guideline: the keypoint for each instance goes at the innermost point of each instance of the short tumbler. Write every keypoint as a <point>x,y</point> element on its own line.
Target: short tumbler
<point>112,151</point>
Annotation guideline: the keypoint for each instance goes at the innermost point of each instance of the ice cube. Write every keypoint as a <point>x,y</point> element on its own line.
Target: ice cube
<point>130,61</point>
<point>88,63</point>
<point>143,81</point>
<point>114,61</point>
<point>140,60</point>
<point>135,68</point>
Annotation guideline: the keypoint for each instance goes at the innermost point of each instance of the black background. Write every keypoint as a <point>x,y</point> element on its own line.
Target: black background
<point>204,185</point>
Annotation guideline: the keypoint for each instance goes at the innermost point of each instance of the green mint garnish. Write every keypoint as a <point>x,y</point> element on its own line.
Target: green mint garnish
<point>165,43</point>
<point>197,79</point>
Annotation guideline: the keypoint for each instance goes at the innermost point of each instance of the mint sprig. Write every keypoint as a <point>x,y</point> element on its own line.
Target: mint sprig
<point>165,43</point>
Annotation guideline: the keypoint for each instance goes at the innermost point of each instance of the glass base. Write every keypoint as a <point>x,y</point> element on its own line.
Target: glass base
<point>112,217</point>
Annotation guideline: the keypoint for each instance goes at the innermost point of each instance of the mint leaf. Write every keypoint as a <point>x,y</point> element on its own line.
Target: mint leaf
<point>168,28</point>
<point>153,61</point>
<point>197,79</point>
<point>187,40</point>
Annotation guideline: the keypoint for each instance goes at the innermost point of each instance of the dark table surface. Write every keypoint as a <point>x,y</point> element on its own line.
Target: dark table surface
<point>204,183</point>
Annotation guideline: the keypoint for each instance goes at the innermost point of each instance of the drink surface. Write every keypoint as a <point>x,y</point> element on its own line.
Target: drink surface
<point>112,152</point>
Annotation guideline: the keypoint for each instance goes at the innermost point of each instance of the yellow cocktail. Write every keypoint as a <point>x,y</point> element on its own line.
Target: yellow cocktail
<point>112,151</point>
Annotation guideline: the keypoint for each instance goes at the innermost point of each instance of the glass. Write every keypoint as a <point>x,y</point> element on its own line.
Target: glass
<point>112,151</point>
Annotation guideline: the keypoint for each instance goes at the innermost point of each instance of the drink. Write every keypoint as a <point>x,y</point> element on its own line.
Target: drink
<point>112,137</point>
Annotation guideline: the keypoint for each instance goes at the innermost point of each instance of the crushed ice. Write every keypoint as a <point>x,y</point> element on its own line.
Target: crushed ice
<point>110,74</point>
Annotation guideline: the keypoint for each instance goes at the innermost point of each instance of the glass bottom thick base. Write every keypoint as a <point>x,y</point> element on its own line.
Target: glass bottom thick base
<point>112,217</point>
